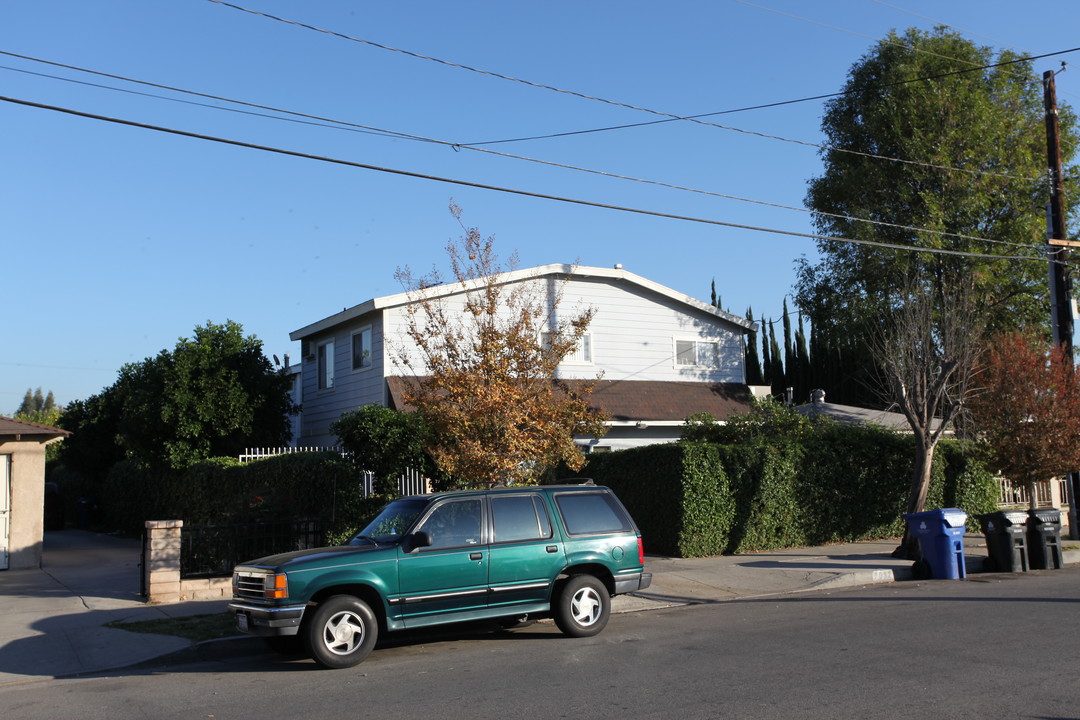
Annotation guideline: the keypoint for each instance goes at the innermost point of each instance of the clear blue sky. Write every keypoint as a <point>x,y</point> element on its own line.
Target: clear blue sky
<point>116,241</point>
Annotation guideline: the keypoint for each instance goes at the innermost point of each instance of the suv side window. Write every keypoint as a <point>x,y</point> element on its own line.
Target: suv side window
<point>585,513</point>
<point>454,524</point>
<point>519,517</point>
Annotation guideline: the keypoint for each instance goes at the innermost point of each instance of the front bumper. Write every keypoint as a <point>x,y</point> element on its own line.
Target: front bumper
<point>632,583</point>
<point>267,621</point>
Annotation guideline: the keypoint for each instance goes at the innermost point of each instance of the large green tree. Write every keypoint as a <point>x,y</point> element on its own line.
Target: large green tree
<point>213,394</point>
<point>938,151</point>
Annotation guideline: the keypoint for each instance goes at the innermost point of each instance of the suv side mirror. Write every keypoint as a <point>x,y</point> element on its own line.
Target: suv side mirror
<point>419,540</point>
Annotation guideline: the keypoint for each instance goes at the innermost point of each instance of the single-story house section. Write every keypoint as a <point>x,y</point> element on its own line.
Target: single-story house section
<point>22,491</point>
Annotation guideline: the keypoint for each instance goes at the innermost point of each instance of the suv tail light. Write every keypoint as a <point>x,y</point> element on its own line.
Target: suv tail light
<point>640,552</point>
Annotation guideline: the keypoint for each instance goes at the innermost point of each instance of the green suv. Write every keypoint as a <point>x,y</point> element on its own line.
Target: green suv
<point>507,553</point>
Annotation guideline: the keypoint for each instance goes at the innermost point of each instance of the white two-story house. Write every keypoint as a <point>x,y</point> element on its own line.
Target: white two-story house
<point>662,354</point>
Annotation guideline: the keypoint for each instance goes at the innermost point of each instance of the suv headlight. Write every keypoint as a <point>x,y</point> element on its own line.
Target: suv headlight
<point>276,586</point>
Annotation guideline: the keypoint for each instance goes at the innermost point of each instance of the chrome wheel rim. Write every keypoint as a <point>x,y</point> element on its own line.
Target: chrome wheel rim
<point>585,606</point>
<point>343,633</point>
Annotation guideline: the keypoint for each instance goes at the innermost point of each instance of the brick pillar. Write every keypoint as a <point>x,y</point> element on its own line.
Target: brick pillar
<point>162,568</point>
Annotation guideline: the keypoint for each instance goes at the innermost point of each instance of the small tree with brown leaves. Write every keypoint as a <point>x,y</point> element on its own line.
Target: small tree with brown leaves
<point>484,359</point>
<point>1029,410</point>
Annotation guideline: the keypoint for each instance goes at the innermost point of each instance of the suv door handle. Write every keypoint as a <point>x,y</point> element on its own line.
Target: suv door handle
<point>553,548</point>
<point>476,556</point>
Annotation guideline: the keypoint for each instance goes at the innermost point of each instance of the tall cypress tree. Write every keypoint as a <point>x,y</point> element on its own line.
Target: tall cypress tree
<point>766,357</point>
<point>752,363</point>
<point>777,373</point>
<point>790,366</point>
<point>802,362</point>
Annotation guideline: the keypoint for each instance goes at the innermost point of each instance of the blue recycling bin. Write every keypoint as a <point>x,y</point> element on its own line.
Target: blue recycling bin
<point>941,541</point>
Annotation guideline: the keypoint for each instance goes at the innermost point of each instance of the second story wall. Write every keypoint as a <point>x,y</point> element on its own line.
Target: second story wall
<point>337,380</point>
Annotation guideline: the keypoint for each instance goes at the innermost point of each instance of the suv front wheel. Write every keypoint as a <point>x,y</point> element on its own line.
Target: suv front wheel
<point>583,606</point>
<point>341,632</point>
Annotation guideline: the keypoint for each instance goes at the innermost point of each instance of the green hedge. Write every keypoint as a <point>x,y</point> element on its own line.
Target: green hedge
<point>299,486</point>
<point>836,484</point>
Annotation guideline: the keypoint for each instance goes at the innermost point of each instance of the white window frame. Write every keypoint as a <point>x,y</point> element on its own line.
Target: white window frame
<point>364,331</point>
<point>582,354</point>
<point>698,355</point>
<point>324,365</point>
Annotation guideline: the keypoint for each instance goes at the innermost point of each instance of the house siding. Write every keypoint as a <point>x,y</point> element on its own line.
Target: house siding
<point>352,389</point>
<point>633,334</point>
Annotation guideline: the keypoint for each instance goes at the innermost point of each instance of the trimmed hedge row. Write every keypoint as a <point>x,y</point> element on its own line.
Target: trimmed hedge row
<point>840,484</point>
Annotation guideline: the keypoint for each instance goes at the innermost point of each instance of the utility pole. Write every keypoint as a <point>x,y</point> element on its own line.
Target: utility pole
<point>1057,252</point>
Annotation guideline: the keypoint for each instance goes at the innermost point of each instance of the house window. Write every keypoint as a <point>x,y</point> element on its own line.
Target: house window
<point>581,354</point>
<point>700,353</point>
<point>361,349</point>
<point>325,359</point>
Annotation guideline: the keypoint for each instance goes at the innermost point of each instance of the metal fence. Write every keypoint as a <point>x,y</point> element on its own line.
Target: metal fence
<point>1048,493</point>
<point>213,550</point>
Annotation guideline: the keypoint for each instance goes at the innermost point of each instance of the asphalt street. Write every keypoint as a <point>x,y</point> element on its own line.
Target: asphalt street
<point>993,646</point>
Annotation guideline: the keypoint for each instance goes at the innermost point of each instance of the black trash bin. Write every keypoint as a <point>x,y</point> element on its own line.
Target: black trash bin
<point>1044,539</point>
<point>84,506</point>
<point>1005,540</point>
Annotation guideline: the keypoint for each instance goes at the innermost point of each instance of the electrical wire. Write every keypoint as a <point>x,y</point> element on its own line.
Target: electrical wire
<point>670,116</point>
<point>514,191</point>
<point>381,132</point>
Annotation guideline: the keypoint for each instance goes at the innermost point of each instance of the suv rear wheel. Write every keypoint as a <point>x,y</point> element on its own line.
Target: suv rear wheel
<point>583,606</point>
<point>341,632</point>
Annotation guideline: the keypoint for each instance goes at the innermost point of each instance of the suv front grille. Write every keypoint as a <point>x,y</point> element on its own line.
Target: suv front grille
<point>250,584</point>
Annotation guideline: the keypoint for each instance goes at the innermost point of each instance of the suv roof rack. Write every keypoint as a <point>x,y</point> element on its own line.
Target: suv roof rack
<point>569,481</point>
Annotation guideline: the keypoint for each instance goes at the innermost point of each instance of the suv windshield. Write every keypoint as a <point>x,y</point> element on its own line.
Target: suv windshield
<point>392,522</point>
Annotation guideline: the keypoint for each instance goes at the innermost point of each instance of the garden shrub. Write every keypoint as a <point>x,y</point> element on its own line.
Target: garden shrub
<point>808,484</point>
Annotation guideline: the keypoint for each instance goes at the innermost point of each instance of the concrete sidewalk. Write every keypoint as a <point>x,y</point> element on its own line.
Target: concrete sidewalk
<point>52,620</point>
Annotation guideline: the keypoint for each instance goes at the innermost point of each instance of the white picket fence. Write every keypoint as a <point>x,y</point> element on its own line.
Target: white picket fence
<point>1048,493</point>
<point>412,482</point>
<point>252,454</point>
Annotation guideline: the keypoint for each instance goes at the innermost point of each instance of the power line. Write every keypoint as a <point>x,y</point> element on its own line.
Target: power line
<point>497,188</point>
<point>670,116</point>
<point>334,124</point>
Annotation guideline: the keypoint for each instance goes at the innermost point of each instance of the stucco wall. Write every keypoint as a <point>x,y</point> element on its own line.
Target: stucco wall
<point>26,525</point>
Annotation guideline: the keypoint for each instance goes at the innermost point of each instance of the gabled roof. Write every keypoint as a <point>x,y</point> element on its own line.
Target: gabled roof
<point>633,401</point>
<point>22,428</point>
<point>553,270</point>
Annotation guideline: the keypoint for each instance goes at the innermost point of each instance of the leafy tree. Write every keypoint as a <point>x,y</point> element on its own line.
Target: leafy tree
<point>971,148</point>
<point>212,395</point>
<point>1029,410</point>
<point>385,442</point>
<point>487,384</point>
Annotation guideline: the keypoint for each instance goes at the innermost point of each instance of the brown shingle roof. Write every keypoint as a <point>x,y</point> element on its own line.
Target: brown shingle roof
<point>636,400</point>
<point>11,426</point>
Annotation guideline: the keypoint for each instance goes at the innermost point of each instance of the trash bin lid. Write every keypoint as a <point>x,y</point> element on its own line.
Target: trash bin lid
<point>1045,515</point>
<point>953,517</point>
